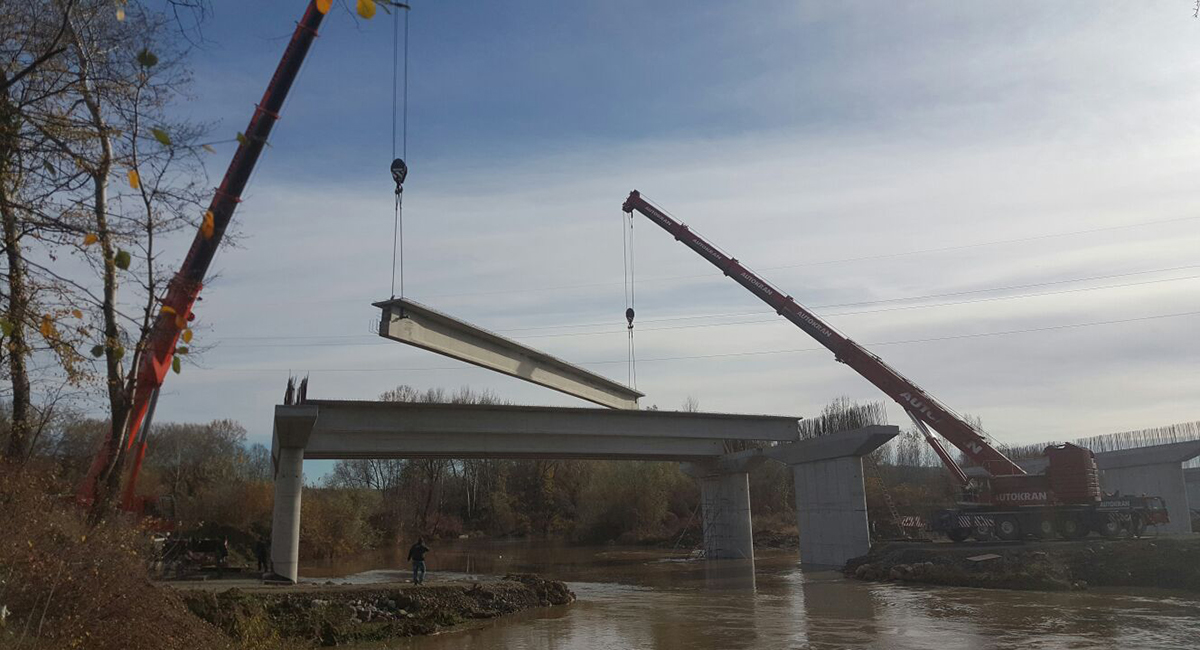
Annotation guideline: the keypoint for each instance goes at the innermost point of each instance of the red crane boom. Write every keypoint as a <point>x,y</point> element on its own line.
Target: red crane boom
<point>921,406</point>
<point>185,286</point>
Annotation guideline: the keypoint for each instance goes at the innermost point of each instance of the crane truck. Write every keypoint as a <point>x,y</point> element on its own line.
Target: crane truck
<point>1004,502</point>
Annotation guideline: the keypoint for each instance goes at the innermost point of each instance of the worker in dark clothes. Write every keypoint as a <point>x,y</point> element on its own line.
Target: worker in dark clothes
<point>417,555</point>
<point>261,552</point>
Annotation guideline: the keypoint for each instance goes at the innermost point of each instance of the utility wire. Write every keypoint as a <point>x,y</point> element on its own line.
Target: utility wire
<point>712,275</point>
<point>1030,330</point>
<point>774,320</point>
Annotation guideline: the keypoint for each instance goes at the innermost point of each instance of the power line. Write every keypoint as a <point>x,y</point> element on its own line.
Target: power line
<point>1030,330</point>
<point>825,306</point>
<point>759,321</point>
<point>920,251</point>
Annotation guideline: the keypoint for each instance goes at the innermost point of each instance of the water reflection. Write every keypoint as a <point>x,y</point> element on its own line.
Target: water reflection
<point>646,598</point>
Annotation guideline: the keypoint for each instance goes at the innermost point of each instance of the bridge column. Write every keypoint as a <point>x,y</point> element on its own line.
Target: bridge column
<point>285,520</point>
<point>831,502</point>
<point>725,504</point>
<point>293,426</point>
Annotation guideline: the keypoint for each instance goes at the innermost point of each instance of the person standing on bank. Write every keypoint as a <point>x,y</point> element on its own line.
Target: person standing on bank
<point>262,553</point>
<point>417,555</point>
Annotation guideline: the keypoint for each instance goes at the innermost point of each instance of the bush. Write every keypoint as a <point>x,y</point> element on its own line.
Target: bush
<point>71,586</point>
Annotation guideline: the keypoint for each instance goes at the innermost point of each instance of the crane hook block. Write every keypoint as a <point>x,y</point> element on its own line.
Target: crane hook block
<point>399,173</point>
<point>629,316</point>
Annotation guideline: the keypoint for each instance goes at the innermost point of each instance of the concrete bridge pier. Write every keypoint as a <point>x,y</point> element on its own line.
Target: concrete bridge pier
<point>285,520</point>
<point>287,455</point>
<point>1191,478</point>
<point>831,502</point>
<point>725,503</point>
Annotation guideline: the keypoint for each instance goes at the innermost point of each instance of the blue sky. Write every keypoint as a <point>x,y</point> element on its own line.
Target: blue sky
<point>825,144</point>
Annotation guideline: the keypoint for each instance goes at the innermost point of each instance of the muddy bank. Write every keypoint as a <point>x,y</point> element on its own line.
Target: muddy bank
<point>1171,563</point>
<point>332,615</point>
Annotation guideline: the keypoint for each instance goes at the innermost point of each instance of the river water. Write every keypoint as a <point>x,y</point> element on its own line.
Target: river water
<point>632,597</point>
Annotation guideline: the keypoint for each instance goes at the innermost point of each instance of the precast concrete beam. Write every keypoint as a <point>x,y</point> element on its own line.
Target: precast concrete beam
<point>349,429</point>
<point>509,445</point>
<point>417,325</point>
<point>831,501</point>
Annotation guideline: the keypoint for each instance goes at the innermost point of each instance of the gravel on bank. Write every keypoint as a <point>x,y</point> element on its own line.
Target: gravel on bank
<point>1167,562</point>
<point>335,615</point>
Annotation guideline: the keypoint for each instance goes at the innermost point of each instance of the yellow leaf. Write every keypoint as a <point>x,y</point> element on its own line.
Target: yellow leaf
<point>47,328</point>
<point>134,180</point>
<point>366,8</point>
<point>120,14</point>
<point>207,226</point>
<point>76,313</point>
<point>324,5</point>
<point>167,309</point>
<point>187,336</point>
<point>90,239</point>
<point>180,321</point>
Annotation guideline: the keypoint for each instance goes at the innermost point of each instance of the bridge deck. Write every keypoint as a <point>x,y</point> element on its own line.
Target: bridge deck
<point>352,429</point>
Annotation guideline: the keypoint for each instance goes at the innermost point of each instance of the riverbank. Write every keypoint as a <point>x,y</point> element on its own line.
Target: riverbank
<point>1166,562</point>
<point>309,614</point>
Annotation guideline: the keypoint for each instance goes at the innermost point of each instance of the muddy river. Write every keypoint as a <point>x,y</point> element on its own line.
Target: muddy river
<point>651,598</point>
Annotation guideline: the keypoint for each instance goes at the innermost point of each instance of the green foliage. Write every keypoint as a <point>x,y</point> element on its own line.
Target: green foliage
<point>147,59</point>
<point>629,500</point>
<point>162,136</point>
<point>334,522</point>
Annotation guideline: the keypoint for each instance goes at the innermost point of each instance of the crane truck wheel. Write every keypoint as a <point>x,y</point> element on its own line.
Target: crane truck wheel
<point>1007,528</point>
<point>1072,528</point>
<point>982,531</point>
<point>1045,529</point>
<point>958,534</point>
<point>1111,527</point>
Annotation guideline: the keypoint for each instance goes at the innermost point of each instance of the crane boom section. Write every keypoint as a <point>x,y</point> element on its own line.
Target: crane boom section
<point>155,360</point>
<point>910,396</point>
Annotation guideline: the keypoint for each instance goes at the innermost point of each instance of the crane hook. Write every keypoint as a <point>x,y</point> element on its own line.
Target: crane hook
<point>399,173</point>
<point>629,316</point>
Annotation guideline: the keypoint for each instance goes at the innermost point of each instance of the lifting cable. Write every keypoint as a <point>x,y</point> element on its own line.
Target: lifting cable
<point>630,297</point>
<point>399,167</point>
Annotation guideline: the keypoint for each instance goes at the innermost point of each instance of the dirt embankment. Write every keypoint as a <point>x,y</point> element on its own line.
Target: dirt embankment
<point>265,618</point>
<point>1172,563</point>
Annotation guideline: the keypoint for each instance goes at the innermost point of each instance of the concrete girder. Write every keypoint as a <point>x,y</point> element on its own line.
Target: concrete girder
<point>417,325</point>
<point>347,429</point>
<point>510,445</point>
